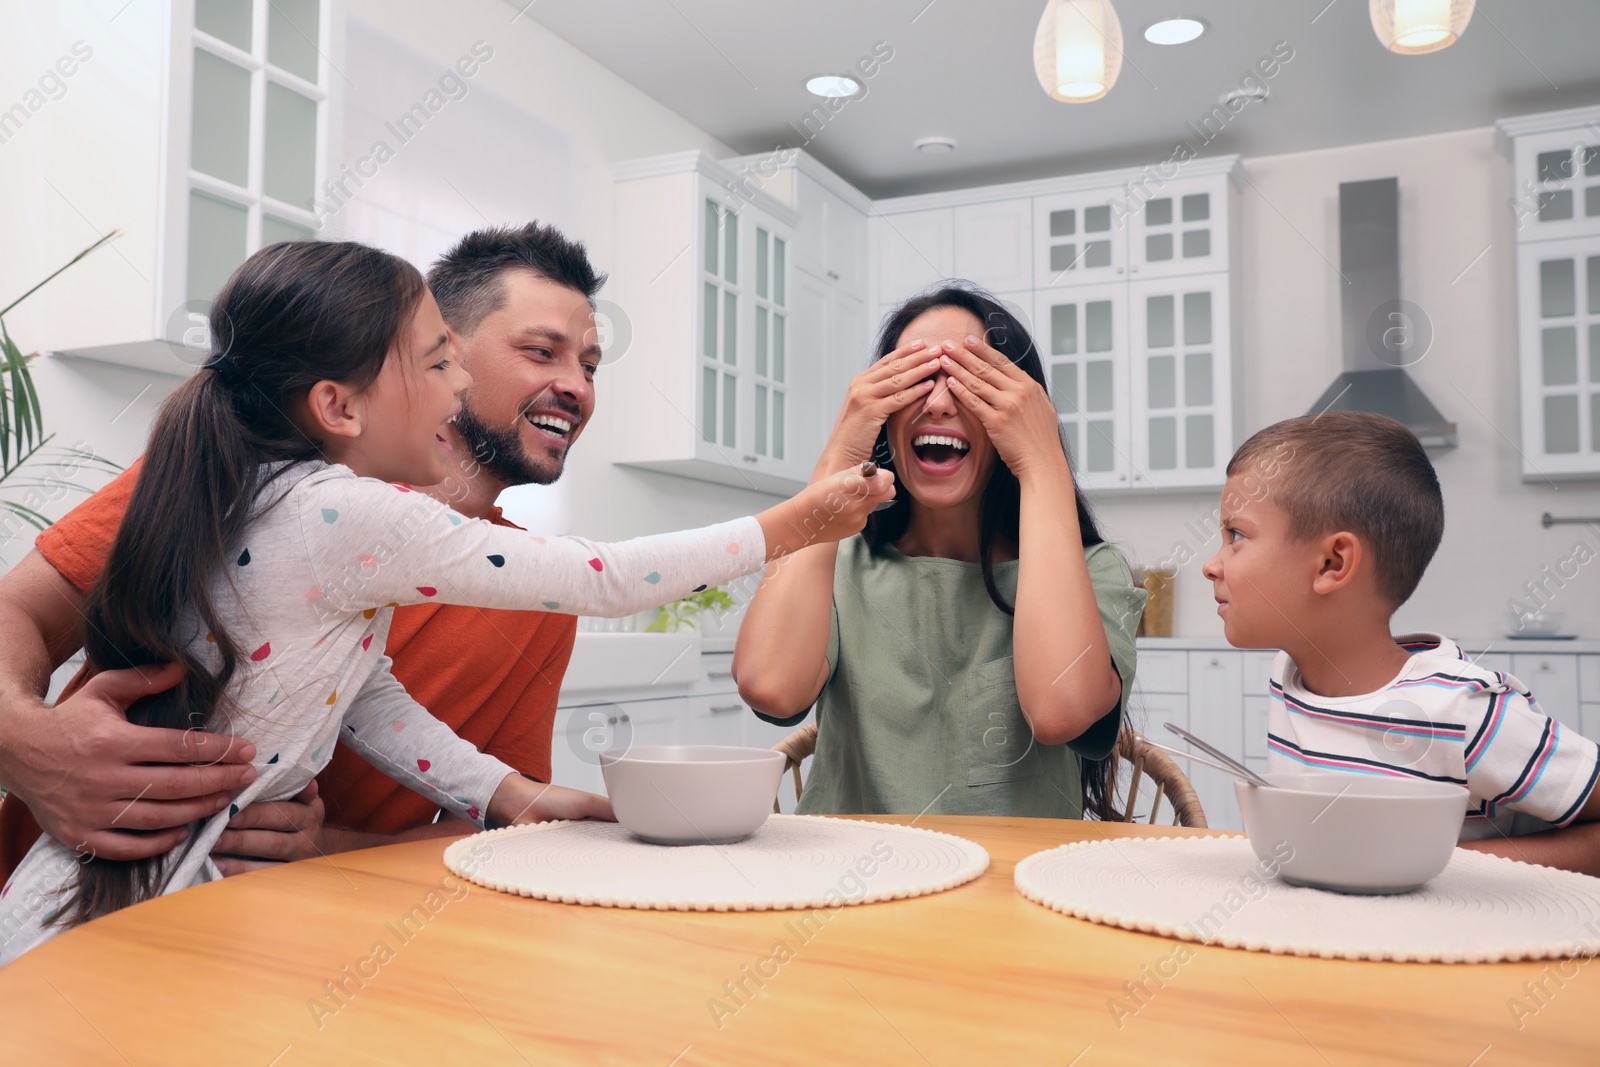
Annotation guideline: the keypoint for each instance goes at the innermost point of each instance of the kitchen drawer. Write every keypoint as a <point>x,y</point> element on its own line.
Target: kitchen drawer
<point>1257,676</point>
<point>1589,679</point>
<point>1590,714</point>
<point>1495,661</point>
<point>1256,710</point>
<point>1148,711</point>
<point>717,719</point>
<point>1163,672</point>
<point>584,731</point>
<point>718,668</point>
<point>1553,677</point>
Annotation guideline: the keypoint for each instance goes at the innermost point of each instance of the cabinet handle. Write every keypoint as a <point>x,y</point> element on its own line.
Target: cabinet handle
<point>749,459</point>
<point>1215,662</point>
<point>719,674</point>
<point>1122,477</point>
<point>1544,665</point>
<point>1119,270</point>
<point>834,275</point>
<point>626,719</point>
<point>611,720</point>
<point>720,709</point>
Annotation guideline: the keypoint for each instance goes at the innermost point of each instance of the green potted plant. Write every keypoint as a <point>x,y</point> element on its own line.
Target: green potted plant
<point>679,614</point>
<point>22,437</point>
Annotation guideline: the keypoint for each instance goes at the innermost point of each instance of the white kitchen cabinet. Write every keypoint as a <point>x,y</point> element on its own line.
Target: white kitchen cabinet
<point>1589,678</point>
<point>1555,160</point>
<point>1258,672</point>
<point>218,149</point>
<point>1558,327</point>
<point>1080,237</point>
<point>715,719</point>
<point>832,239</point>
<point>1163,672</point>
<point>1556,207</point>
<point>993,241</point>
<point>584,730</point>
<point>1181,369</point>
<point>828,327</point>
<point>1084,348</point>
<point>1149,712</point>
<point>1217,715</point>
<point>1554,682</point>
<point>1180,228</point>
<point>715,389</point>
<point>914,250</point>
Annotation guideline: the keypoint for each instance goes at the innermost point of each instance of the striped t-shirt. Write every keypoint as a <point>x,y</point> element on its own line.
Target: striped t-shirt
<point>1444,719</point>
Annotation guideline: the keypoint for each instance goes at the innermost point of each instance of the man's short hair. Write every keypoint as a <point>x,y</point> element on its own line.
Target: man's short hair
<point>468,281</point>
<point>1350,470</point>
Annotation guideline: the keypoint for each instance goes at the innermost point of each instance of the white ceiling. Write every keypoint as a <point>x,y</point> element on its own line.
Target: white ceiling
<point>963,69</point>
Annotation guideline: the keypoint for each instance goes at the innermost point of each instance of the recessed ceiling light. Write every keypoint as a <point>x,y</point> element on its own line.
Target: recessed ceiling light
<point>936,146</point>
<point>831,85</point>
<point>1174,31</point>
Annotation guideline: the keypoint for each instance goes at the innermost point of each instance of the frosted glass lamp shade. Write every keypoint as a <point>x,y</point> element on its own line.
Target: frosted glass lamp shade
<point>1077,50</point>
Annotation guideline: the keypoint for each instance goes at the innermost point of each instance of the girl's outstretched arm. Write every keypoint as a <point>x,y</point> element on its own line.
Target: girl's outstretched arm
<point>375,544</point>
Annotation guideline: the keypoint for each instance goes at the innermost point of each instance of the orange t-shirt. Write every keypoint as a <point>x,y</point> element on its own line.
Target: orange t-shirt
<point>491,675</point>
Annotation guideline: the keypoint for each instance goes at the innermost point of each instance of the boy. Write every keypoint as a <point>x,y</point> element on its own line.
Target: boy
<point>1318,551</point>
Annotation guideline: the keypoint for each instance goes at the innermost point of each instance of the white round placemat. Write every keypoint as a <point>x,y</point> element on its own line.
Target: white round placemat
<point>793,861</point>
<point>1482,909</point>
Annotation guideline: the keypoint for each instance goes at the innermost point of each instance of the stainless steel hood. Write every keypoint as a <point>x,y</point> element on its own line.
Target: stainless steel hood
<point>1382,334</point>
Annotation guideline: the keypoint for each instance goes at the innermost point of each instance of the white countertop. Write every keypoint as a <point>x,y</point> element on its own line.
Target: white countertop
<point>1506,645</point>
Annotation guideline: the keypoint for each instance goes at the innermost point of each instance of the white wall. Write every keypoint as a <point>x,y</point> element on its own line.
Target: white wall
<point>1454,191</point>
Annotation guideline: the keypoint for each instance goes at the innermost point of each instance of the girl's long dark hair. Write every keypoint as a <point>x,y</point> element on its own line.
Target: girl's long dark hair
<point>292,315</point>
<point>1001,513</point>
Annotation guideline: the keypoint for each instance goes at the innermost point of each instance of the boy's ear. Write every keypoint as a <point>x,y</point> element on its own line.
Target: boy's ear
<point>1342,555</point>
<point>334,409</point>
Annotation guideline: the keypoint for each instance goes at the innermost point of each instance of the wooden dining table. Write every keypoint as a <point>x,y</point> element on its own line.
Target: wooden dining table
<point>316,963</point>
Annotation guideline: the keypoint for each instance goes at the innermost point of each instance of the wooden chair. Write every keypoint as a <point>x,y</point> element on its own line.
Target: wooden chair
<point>1169,780</point>
<point>797,746</point>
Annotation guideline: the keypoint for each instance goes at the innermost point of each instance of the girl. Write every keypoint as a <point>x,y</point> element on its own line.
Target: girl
<point>971,652</point>
<point>272,532</point>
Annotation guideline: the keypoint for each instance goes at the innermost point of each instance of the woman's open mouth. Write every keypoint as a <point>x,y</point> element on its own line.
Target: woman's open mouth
<point>939,454</point>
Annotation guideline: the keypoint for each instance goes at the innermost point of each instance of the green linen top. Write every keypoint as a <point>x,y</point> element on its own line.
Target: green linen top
<point>920,713</point>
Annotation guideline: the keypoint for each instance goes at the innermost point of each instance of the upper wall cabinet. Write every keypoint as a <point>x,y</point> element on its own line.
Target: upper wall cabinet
<point>233,163</point>
<point>1556,212</point>
<point>713,387</point>
<point>1125,281</point>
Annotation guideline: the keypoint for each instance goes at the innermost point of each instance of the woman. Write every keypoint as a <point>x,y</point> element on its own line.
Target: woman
<point>971,651</point>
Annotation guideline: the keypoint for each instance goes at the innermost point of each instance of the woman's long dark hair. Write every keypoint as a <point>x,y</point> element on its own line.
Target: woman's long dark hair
<point>1001,512</point>
<point>292,315</point>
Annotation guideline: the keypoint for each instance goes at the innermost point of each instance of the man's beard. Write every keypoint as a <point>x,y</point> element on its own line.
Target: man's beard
<point>500,452</point>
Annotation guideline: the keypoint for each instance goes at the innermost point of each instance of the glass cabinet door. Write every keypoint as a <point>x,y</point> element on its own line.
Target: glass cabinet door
<point>1180,227</point>
<point>1559,333</point>
<point>1079,238</point>
<point>1181,421</point>
<point>1556,191</point>
<point>1081,334</point>
<point>719,324</point>
<point>771,347</point>
<point>256,132</point>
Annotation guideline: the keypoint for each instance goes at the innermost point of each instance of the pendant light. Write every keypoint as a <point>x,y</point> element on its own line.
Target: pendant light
<point>1077,50</point>
<point>1416,27</point>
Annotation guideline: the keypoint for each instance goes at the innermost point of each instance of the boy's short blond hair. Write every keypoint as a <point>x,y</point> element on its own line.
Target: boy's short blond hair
<point>1350,470</point>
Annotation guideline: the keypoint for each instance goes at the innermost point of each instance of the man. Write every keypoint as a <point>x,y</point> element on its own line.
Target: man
<point>520,304</point>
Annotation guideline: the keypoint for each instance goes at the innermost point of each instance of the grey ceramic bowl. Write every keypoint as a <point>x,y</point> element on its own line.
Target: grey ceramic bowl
<point>1353,833</point>
<point>692,794</point>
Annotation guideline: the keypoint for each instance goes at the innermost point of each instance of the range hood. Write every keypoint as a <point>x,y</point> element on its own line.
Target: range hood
<point>1381,334</point>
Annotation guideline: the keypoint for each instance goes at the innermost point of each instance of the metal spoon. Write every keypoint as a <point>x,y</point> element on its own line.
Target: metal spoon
<point>1233,766</point>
